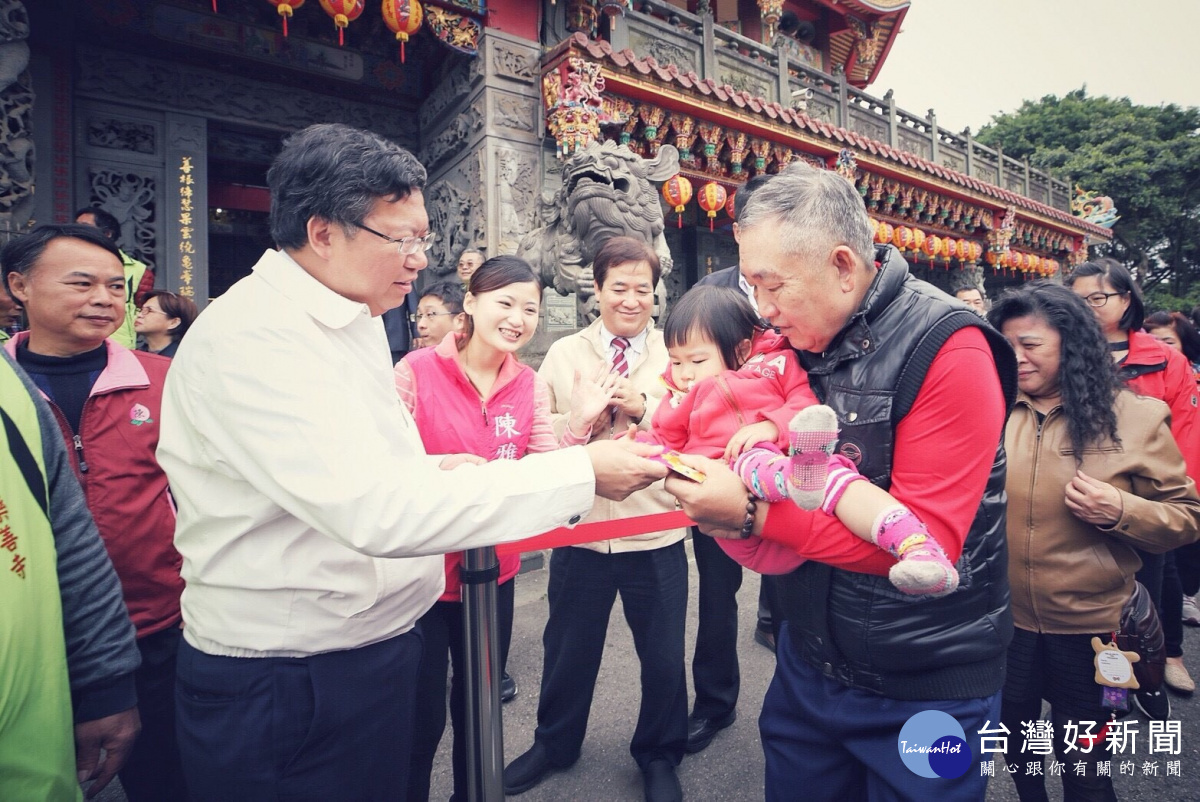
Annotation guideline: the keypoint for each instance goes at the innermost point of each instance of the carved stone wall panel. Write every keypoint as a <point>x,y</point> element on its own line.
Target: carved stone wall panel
<point>868,124</point>
<point>1014,183</point>
<point>451,90</point>
<point>132,195</point>
<point>16,119</point>
<point>665,48</point>
<point>460,132</point>
<point>457,212</point>
<point>953,160</point>
<point>912,142</point>
<point>141,81</point>
<point>745,77</point>
<point>822,108</point>
<point>513,116</point>
<point>114,134</point>
<point>514,59</point>
<point>986,172</point>
<point>515,171</point>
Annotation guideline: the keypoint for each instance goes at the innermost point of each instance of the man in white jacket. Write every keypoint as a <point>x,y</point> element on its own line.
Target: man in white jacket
<point>300,480</point>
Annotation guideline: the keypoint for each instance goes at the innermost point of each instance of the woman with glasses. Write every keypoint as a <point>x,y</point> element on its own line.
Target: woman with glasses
<point>162,320</point>
<point>1094,477</point>
<point>1151,368</point>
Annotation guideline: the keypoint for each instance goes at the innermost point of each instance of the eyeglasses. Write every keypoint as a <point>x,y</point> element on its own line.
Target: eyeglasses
<point>145,310</point>
<point>419,316</point>
<point>408,245</point>
<point>1099,299</point>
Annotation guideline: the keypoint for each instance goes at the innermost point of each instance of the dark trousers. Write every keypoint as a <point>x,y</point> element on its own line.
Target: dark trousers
<point>442,634</point>
<point>715,674</point>
<point>826,741</point>
<point>1170,609</point>
<point>1059,669</point>
<point>330,726</point>
<point>153,772</point>
<point>583,586</point>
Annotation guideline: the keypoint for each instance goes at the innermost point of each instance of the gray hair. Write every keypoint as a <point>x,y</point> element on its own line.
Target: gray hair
<point>475,251</point>
<point>817,209</point>
<point>335,173</point>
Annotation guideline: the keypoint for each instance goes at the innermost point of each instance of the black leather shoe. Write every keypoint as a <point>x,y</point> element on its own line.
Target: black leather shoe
<point>527,771</point>
<point>764,638</point>
<point>660,782</point>
<point>508,688</point>
<point>701,731</point>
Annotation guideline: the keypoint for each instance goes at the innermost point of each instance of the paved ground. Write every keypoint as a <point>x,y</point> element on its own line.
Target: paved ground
<point>732,767</point>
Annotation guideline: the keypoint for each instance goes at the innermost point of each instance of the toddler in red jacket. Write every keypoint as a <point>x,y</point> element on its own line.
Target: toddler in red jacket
<point>738,392</point>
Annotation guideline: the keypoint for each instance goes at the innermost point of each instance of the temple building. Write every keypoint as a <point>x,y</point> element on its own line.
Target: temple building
<point>168,112</point>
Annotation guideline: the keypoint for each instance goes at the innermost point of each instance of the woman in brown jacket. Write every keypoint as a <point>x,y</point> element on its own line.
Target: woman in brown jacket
<point>1093,472</point>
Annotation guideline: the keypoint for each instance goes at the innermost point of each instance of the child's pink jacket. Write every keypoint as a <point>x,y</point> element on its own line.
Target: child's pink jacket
<point>771,386</point>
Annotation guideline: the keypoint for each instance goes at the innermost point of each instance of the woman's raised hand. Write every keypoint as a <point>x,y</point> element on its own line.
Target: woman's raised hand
<point>590,397</point>
<point>1095,502</point>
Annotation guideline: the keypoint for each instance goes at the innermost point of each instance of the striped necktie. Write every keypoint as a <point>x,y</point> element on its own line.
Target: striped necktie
<point>620,365</point>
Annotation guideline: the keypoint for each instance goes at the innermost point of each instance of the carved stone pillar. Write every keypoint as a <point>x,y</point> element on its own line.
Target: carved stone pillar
<point>16,119</point>
<point>480,128</point>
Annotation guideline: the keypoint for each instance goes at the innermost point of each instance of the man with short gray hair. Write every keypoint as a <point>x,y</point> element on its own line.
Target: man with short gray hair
<point>311,522</point>
<point>920,387</point>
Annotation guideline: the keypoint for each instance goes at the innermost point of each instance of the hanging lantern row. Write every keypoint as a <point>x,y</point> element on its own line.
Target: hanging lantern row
<point>712,198</point>
<point>1025,263</point>
<point>916,242</point>
<point>403,17</point>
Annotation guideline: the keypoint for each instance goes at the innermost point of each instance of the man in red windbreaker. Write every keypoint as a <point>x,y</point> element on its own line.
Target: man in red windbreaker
<point>107,402</point>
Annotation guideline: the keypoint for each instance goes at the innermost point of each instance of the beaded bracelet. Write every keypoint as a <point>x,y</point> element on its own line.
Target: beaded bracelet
<point>751,510</point>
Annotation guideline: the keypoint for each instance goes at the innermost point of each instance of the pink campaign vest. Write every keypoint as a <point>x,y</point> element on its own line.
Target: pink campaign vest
<point>452,420</point>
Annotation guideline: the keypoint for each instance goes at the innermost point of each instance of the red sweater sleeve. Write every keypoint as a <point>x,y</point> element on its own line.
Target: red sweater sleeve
<point>944,451</point>
<point>1181,396</point>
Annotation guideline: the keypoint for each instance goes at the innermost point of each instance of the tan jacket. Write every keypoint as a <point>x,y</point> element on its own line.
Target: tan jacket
<point>585,352</point>
<point>1067,576</point>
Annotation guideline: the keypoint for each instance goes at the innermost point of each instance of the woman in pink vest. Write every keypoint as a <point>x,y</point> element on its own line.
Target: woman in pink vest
<point>470,395</point>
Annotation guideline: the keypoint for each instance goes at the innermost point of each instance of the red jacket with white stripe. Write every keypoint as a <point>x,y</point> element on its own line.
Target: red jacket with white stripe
<point>126,490</point>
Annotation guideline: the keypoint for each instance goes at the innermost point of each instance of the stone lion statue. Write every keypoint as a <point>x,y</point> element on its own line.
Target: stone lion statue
<point>606,192</point>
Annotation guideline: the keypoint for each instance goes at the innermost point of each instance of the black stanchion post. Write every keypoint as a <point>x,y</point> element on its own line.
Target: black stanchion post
<point>485,731</point>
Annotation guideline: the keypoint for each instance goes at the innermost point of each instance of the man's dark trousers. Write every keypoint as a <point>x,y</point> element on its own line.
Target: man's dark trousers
<point>826,741</point>
<point>330,726</point>
<point>715,674</point>
<point>583,587</point>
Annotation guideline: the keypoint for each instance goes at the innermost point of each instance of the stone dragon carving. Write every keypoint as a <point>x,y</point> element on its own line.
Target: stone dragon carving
<point>606,192</point>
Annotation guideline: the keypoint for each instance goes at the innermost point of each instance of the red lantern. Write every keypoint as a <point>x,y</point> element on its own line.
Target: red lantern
<point>976,251</point>
<point>343,12</point>
<point>403,18</point>
<point>918,239</point>
<point>932,246</point>
<point>949,245</point>
<point>677,191</point>
<point>285,9</point>
<point>730,206</point>
<point>711,200</point>
<point>883,234</point>
<point>902,238</point>
<point>963,250</point>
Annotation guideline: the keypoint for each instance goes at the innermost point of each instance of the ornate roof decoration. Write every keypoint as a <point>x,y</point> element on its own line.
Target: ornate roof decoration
<point>627,71</point>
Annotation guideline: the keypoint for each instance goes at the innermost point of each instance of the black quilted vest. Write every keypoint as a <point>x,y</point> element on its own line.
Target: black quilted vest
<point>858,629</point>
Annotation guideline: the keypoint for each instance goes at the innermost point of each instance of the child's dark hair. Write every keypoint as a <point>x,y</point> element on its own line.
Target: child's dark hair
<point>494,274</point>
<point>722,315</point>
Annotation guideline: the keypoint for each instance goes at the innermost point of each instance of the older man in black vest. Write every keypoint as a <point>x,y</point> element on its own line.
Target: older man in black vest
<point>921,387</point>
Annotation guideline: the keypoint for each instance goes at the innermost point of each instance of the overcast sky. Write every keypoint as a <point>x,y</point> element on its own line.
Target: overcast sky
<point>970,59</point>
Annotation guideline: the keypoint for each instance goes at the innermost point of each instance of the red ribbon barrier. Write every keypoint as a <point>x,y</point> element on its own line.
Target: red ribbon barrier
<point>599,530</point>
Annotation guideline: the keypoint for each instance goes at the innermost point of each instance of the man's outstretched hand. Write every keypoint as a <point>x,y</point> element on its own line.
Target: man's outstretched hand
<point>621,466</point>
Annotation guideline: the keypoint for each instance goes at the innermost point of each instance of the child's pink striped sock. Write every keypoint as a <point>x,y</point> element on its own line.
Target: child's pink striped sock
<point>812,434</point>
<point>923,568</point>
<point>763,469</point>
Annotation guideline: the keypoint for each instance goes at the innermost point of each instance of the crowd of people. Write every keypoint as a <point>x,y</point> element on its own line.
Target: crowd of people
<point>233,541</point>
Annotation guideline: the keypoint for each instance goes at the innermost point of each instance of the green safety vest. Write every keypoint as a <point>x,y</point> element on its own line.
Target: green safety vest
<point>37,737</point>
<point>134,270</point>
